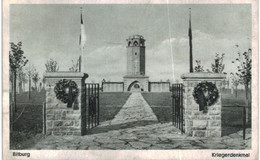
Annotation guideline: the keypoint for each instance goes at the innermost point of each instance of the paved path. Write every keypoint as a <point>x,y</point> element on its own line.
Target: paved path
<point>153,136</point>
<point>134,110</point>
<point>136,127</point>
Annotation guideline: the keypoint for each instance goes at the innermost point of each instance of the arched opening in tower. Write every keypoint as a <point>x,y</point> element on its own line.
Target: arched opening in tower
<point>135,86</point>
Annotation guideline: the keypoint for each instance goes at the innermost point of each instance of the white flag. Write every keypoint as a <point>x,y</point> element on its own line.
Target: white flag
<point>82,37</point>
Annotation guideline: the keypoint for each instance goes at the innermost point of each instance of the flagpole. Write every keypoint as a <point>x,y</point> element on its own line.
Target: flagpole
<point>81,49</point>
<point>190,43</point>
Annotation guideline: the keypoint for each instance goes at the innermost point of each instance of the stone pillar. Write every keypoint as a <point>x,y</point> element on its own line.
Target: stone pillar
<point>197,123</point>
<point>61,120</point>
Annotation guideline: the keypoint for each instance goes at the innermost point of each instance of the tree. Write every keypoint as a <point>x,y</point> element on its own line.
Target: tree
<point>235,80</point>
<point>35,79</point>
<point>30,71</point>
<point>218,66</point>
<point>199,67</point>
<point>22,80</point>
<point>75,66</point>
<point>17,60</point>
<point>244,65</point>
<point>51,66</point>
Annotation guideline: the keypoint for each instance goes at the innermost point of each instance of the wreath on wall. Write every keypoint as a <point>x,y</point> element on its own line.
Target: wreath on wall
<point>64,88</point>
<point>209,91</point>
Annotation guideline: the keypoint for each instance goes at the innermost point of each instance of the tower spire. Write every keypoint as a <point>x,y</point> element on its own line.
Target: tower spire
<point>190,42</point>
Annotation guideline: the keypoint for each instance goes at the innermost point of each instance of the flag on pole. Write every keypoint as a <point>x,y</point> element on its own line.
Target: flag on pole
<point>82,37</point>
<point>190,43</point>
<point>82,40</point>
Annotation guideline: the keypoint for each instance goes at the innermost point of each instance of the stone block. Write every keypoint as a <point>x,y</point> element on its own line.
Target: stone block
<point>215,123</point>
<point>69,112</point>
<point>200,124</point>
<point>57,111</point>
<point>57,123</point>
<point>50,117</point>
<point>203,117</point>
<point>215,107</point>
<point>188,132</point>
<point>68,123</point>
<point>199,133</point>
<point>77,123</point>
<point>215,117</point>
<point>49,111</point>
<point>49,124</point>
<point>188,123</point>
<point>188,112</point>
<point>214,112</point>
<point>214,133</point>
<point>59,133</point>
<point>77,133</point>
<point>69,133</point>
<point>73,117</point>
<point>48,133</point>
<point>57,117</point>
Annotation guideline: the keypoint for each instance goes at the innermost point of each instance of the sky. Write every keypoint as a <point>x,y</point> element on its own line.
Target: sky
<point>52,31</point>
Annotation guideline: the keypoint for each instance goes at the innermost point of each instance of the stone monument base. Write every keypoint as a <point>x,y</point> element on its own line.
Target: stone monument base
<point>199,123</point>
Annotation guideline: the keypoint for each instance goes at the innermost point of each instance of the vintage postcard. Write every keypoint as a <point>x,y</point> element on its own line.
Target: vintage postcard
<point>158,79</point>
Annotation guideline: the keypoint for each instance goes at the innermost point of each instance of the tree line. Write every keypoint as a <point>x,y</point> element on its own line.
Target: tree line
<point>242,75</point>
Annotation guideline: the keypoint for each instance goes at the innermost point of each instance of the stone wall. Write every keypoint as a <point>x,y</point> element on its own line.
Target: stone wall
<point>113,86</point>
<point>159,86</point>
<point>61,120</point>
<point>197,123</point>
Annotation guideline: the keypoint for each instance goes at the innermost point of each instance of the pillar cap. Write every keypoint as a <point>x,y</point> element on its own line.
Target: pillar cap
<point>203,75</point>
<point>65,74</point>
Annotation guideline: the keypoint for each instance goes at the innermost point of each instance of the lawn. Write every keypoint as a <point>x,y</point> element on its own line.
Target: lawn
<point>111,103</point>
<point>160,104</point>
<point>158,99</point>
<point>27,126</point>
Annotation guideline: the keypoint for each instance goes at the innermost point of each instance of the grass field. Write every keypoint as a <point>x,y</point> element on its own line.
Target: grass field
<point>111,103</point>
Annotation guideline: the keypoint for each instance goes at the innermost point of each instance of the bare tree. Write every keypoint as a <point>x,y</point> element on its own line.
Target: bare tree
<point>51,66</point>
<point>235,80</point>
<point>244,65</point>
<point>75,66</point>
<point>218,66</point>
<point>199,67</point>
<point>22,80</point>
<point>35,79</point>
<point>30,71</point>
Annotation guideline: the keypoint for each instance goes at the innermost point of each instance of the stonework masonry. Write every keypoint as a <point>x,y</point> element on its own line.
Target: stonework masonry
<point>197,123</point>
<point>61,120</point>
<point>142,81</point>
<point>113,86</point>
<point>135,78</point>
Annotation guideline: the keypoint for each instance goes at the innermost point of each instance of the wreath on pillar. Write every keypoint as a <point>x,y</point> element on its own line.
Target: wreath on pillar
<point>66,90</point>
<point>208,91</point>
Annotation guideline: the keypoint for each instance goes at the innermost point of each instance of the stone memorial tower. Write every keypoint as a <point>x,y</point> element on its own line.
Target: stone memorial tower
<point>135,80</point>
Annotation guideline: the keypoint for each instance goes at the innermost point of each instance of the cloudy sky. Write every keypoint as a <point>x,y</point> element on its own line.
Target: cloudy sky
<point>52,31</point>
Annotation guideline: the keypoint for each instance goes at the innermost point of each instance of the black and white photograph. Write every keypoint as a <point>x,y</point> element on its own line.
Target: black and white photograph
<point>142,76</point>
